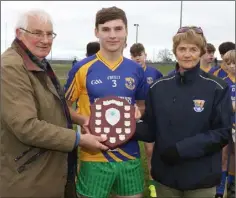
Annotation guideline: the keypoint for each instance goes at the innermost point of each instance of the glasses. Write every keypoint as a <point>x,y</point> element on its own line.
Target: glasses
<point>198,30</point>
<point>40,34</point>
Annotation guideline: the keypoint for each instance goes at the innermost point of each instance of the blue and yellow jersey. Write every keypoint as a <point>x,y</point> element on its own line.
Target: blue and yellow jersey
<point>206,69</point>
<point>151,74</point>
<point>93,78</point>
<point>230,79</point>
<point>213,69</point>
<point>221,73</point>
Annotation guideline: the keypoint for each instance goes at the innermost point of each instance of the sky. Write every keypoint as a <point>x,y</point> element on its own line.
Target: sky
<point>158,22</point>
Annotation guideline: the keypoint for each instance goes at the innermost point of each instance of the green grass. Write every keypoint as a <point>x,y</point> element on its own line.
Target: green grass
<point>62,71</point>
<point>164,69</point>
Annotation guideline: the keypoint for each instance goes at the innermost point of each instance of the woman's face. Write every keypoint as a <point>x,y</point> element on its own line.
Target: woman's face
<point>187,55</point>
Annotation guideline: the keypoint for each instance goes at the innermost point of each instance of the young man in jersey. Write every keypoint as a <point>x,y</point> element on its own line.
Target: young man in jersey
<point>104,74</point>
<point>207,59</point>
<point>229,59</point>
<point>138,54</point>
<point>223,48</point>
<point>222,72</point>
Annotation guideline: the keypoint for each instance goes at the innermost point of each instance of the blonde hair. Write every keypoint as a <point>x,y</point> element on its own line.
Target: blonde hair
<point>190,36</point>
<point>229,57</point>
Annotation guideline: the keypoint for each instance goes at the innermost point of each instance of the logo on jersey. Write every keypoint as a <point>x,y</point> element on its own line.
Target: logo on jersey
<point>129,83</point>
<point>198,105</point>
<point>149,80</point>
<point>233,92</point>
<point>96,82</point>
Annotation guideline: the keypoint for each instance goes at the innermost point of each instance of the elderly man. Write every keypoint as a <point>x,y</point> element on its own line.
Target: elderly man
<point>36,128</point>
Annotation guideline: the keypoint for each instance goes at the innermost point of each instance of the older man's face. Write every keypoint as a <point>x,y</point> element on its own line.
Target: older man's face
<point>37,37</point>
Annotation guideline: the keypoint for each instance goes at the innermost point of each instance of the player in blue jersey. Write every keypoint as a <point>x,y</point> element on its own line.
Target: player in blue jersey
<point>207,59</point>
<point>223,48</point>
<point>229,60</point>
<point>229,64</point>
<point>138,54</point>
<point>104,74</point>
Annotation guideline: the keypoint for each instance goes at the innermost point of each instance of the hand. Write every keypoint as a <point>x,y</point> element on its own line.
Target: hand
<point>92,142</point>
<point>137,114</point>
<point>84,126</point>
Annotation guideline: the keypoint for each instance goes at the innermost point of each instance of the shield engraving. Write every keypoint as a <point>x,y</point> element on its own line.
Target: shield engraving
<point>112,117</point>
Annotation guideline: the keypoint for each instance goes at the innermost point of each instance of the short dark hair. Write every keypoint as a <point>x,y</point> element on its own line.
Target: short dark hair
<point>136,49</point>
<point>225,47</point>
<point>210,48</point>
<point>108,14</point>
<point>92,48</point>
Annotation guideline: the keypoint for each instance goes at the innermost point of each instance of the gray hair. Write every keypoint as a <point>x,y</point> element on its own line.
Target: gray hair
<point>37,13</point>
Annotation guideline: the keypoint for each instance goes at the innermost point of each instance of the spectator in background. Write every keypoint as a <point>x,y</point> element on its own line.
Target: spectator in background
<point>74,61</point>
<point>92,48</point>
<point>207,59</point>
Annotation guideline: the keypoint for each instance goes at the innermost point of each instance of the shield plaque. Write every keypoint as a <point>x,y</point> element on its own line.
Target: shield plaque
<point>114,118</point>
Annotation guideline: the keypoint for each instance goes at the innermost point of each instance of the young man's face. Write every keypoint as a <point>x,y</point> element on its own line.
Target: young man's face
<point>208,57</point>
<point>139,58</point>
<point>112,35</point>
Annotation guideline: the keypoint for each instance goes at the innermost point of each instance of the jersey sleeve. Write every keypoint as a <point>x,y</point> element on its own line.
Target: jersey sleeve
<point>72,86</point>
<point>142,85</point>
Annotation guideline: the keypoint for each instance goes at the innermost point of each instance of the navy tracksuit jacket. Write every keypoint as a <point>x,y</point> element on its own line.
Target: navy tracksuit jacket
<point>189,118</point>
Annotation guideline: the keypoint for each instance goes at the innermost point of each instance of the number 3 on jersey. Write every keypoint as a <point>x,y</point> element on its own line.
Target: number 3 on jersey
<point>114,84</point>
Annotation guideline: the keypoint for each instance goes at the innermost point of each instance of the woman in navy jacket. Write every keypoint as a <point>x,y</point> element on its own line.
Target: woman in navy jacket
<point>188,116</point>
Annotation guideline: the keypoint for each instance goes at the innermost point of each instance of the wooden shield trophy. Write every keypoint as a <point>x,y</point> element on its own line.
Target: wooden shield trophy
<point>114,118</point>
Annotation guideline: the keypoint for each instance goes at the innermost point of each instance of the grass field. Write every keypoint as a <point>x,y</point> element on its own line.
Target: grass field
<point>62,71</point>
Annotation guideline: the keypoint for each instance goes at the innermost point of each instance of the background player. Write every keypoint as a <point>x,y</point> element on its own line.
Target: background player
<point>229,60</point>
<point>92,48</point>
<point>229,64</point>
<point>223,48</point>
<point>207,60</point>
<point>151,74</point>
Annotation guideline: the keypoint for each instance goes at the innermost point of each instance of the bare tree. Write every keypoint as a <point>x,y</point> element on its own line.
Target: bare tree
<point>165,55</point>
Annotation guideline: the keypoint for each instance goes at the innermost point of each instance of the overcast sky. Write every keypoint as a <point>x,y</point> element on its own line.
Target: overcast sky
<point>158,22</point>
